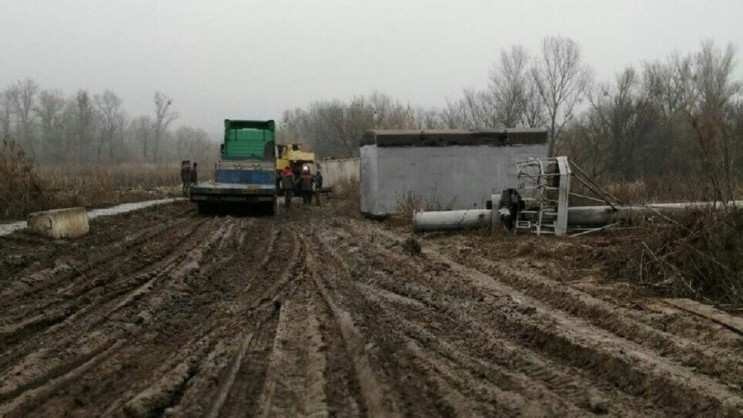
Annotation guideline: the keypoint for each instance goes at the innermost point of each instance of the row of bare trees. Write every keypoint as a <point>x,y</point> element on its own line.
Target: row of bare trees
<point>523,91</point>
<point>334,128</point>
<point>682,114</point>
<point>85,128</point>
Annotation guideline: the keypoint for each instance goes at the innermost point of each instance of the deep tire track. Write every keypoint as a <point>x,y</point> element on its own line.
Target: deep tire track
<point>308,314</point>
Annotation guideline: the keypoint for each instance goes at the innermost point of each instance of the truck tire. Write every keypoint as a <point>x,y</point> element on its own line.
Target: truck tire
<point>272,208</point>
<point>205,208</point>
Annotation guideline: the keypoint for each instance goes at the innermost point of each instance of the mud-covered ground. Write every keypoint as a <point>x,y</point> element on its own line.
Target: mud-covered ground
<point>165,312</point>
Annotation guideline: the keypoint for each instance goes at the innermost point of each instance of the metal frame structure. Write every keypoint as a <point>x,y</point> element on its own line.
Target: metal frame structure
<point>540,204</point>
<point>544,184</point>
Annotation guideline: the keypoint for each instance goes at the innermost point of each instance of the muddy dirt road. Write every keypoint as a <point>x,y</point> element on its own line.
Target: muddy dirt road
<point>164,312</point>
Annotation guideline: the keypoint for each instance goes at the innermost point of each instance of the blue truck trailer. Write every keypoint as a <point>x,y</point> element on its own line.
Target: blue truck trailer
<point>245,175</point>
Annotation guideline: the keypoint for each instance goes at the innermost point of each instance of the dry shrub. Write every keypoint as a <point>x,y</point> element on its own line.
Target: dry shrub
<point>696,255</point>
<point>626,191</point>
<point>20,186</point>
<point>347,197</point>
<point>410,203</point>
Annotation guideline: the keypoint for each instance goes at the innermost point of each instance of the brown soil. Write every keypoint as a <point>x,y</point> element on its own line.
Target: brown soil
<point>164,312</point>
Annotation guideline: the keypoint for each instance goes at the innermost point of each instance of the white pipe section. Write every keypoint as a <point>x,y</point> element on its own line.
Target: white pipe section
<point>585,216</point>
<point>596,216</point>
<point>452,220</point>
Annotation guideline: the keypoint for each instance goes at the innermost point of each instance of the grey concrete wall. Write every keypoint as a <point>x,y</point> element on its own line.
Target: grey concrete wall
<point>337,170</point>
<point>453,177</point>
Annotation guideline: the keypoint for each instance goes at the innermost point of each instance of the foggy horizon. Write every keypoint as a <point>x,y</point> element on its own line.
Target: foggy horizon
<point>228,59</point>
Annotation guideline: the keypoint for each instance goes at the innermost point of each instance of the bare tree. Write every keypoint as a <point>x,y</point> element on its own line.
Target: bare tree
<point>141,130</point>
<point>113,120</point>
<point>335,128</point>
<point>387,113</point>
<point>164,116</point>
<point>534,112</point>
<point>711,109</point>
<point>83,128</point>
<point>453,115</point>
<point>479,110</point>
<point>194,143</point>
<point>6,112</point>
<point>328,134</point>
<point>50,111</point>
<point>624,119</point>
<point>561,80</point>
<point>668,85</point>
<point>429,118</point>
<point>22,97</point>
<point>585,142</point>
<point>509,84</point>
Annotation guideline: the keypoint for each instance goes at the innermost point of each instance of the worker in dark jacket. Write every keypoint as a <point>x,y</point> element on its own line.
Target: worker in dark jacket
<point>185,176</point>
<point>194,176</point>
<point>318,186</point>
<point>305,185</point>
<point>287,185</point>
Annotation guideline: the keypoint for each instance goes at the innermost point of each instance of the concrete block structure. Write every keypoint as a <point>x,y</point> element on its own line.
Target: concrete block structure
<point>446,169</point>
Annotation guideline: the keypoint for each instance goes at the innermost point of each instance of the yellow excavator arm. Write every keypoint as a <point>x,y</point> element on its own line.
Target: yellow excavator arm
<point>291,155</point>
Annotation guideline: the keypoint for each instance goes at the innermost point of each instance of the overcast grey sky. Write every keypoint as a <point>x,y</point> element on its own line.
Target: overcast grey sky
<point>254,59</point>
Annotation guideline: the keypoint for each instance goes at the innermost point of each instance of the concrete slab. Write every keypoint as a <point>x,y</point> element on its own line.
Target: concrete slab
<point>59,223</point>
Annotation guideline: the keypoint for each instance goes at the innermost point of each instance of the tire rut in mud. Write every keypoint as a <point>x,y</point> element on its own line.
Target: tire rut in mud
<point>150,321</point>
<point>586,365</point>
<point>310,314</point>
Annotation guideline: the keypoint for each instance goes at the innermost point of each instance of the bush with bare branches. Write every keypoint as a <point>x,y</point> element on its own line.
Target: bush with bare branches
<point>20,187</point>
<point>696,255</point>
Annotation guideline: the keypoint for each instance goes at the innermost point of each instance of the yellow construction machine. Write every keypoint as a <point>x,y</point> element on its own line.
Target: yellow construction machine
<point>292,156</point>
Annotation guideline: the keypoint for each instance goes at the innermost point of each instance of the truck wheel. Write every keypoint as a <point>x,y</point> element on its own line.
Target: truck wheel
<point>271,208</point>
<point>205,208</point>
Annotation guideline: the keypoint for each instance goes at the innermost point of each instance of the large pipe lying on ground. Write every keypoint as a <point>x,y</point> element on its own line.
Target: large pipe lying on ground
<point>578,216</point>
<point>598,216</point>
<point>452,220</point>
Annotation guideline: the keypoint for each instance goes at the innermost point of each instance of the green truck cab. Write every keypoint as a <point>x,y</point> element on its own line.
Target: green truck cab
<point>246,172</point>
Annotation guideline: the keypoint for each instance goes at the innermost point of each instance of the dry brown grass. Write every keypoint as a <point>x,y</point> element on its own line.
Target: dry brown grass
<point>661,189</point>
<point>94,185</point>
<point>25,187</point>
<point>119,176</point>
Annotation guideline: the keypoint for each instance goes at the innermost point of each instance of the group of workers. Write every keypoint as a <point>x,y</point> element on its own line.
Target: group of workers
<point>306,185</point>
<point>189,175</point>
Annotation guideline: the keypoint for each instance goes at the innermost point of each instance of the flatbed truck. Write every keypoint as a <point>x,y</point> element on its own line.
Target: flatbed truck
<point>245,176</point>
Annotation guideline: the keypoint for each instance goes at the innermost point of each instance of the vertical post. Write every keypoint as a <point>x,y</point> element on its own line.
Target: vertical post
<point>561,225</point>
